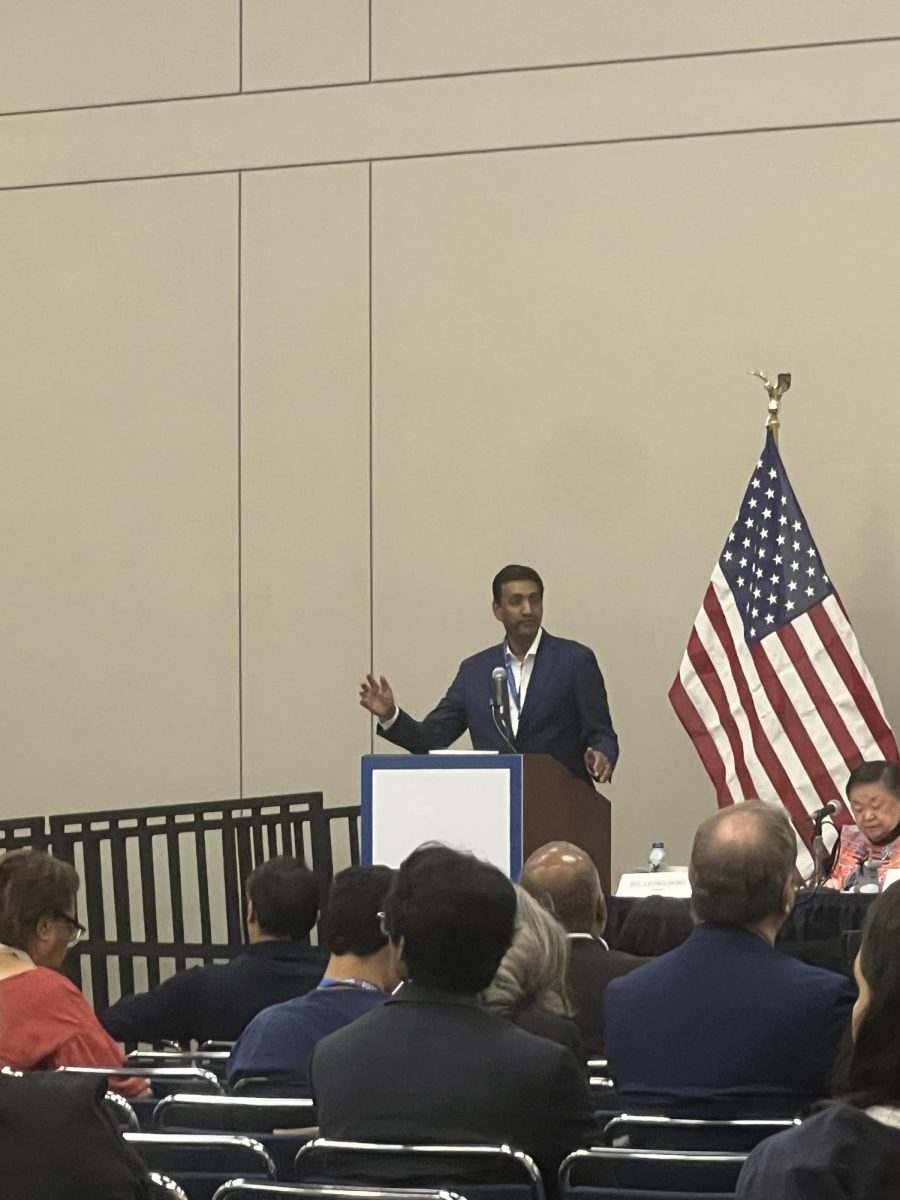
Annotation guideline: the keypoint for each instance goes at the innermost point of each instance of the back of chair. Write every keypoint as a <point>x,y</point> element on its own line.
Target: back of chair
<point>215,1061</point>
<point>498,1172</point>
<point>201,1163</point>
<point>164,1188</point>
<point>294,1121</point>
<point>688,1133</point>
<point>242,1189</point>
<point>161,1080</point>
<point>121,1111</point>
<point>607,1171</point>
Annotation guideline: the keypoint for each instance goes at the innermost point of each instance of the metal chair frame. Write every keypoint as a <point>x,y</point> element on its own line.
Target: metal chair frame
<point>231,1104</point>
<point>626,1120</point>
<point>201,1141</point>
<point>388,1150</point>
<point>127,1117</point>
<point>166,1185</point>
<point>614,1154</point>
<point>162,1074</point>
<point>325,1191</point>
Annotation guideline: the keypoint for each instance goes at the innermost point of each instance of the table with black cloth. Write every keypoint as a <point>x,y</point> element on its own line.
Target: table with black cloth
<point>823,928</point>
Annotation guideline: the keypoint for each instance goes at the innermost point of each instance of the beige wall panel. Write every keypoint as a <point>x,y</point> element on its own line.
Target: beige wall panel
<point>305,493</point>
<point>118,489</point>
<point>430,37</point>
<point>560,341</point>
<point>438,116</point>
<point>302,43</point>
<point>66,53</point>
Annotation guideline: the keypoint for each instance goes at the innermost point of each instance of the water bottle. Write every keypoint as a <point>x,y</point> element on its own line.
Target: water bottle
<point>657,856</point>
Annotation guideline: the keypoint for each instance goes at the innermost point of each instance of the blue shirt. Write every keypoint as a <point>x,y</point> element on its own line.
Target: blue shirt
<point>279,1041</point>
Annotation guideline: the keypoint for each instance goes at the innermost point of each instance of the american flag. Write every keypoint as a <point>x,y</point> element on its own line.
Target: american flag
<point>773,690</point>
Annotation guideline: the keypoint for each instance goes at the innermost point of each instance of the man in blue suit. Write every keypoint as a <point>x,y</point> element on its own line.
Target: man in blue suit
<point>726,1025</point>
<point>557,695</point>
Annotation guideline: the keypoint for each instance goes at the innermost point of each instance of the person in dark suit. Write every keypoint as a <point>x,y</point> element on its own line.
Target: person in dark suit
<point>431,1065</point>
<point>851,1149</point>
<point>725,1024</point>
<point>558,702</point>
<point>563,878</point>
<point>215,1003</point>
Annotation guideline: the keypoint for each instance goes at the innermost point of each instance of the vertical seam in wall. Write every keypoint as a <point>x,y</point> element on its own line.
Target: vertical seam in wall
<point>240,45</point>
<point>370,40</point>
<point>240,517</point>
<point>371,480</point>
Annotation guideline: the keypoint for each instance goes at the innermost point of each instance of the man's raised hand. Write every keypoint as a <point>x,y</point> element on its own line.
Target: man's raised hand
<point>376,696</point>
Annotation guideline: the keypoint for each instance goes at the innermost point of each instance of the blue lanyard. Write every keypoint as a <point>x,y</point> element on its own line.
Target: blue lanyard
<point>510,678</point>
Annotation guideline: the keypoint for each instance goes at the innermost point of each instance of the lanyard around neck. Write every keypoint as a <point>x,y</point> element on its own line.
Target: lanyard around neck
<point>510,678</point>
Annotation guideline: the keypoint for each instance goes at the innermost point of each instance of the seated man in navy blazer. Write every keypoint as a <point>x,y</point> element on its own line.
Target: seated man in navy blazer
<point>726,1025</point>
<point>557,695</point>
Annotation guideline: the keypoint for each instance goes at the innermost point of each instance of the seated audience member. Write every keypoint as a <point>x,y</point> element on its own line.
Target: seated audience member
<point>431,1065</point>
<point>214,1003</point>
<point>529,987</point>
<point>46,1022</point>
<point>565,879</point>
<point>57,1142</point>
<point>725,1024</point>
<point>361,973</point>
<point>850,1150</point>
<point>655,926</point>
<point>873,796</point>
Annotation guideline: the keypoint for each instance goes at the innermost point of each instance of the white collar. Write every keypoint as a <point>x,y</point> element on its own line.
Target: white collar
<point>532,649</point>
<point>885,1115</point>
<point>17,953</point>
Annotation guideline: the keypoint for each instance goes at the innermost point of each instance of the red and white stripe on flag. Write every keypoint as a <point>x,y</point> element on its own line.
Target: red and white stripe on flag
<point>773,689</point>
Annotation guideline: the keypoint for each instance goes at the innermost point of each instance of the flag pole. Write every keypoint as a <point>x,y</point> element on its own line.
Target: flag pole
<point>775,392</point>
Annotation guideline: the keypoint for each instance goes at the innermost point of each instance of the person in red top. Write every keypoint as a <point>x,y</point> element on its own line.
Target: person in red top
<point>47,1023</point>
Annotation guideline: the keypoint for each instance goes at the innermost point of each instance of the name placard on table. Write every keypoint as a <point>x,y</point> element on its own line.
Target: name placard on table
<point>670,882</point>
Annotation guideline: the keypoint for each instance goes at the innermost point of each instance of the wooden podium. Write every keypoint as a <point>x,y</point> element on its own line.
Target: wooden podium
<point>499,806</point>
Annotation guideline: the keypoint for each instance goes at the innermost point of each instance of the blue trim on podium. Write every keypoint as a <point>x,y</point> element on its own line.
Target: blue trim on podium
<point>439,762</point>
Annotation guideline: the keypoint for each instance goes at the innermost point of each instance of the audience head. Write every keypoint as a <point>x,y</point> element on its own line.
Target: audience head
<point>532,972</point>
<point>282,900</point>
<point>564,879</point>
<point>742,867</point>
<point>873,794</point>
<point>357,943</point>
<point>452,918</point>
<point>655,926</point>
<point>870,1071</point>
<point>37,905</point>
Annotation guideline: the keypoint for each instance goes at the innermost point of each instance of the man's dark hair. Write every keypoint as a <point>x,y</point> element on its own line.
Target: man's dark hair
<point>285,897</point>
<point>743,857</point>
<point>654,926</point>
<point>869,1072</point>
<point>456,916</point>
<point>32,885</point>
<point>352,923</point>
<point>877,771</point>
<point>511,574</point>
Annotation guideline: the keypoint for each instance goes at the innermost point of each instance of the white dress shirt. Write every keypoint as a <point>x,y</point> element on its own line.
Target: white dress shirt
<point>522,669</point>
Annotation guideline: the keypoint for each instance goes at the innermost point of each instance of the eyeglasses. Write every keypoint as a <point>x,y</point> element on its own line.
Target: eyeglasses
<point>78,930</point>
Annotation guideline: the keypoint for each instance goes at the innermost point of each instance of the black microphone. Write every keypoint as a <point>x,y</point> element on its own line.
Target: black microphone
<point>499,691</point>
<point>500,705</point>
<point>828,810</point>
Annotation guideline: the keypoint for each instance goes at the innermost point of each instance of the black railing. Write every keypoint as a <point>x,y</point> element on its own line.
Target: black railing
<point>163,887</point>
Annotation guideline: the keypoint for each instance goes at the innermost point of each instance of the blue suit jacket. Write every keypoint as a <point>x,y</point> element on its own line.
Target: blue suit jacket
<point>724,1025</point>
<point>565,708</point>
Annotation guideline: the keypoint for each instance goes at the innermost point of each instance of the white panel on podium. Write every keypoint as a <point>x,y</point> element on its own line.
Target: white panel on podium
<point>466,802</point>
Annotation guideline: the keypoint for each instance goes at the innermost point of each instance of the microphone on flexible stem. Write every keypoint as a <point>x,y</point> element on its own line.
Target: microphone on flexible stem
<point>500,705</point>
<point>820,853</point>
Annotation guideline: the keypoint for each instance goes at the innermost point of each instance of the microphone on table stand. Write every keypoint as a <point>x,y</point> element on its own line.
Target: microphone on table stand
<point>500,705</point>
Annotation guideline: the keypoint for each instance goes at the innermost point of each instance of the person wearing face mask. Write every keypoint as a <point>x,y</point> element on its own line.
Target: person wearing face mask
<point>47,1021</point>
<point>851,1149</point>
<point>873,796</point>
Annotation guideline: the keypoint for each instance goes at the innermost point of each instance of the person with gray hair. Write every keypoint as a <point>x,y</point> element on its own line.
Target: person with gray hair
<point>725,1025</point>
<point>529,987</point>
<point>565,881</point>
